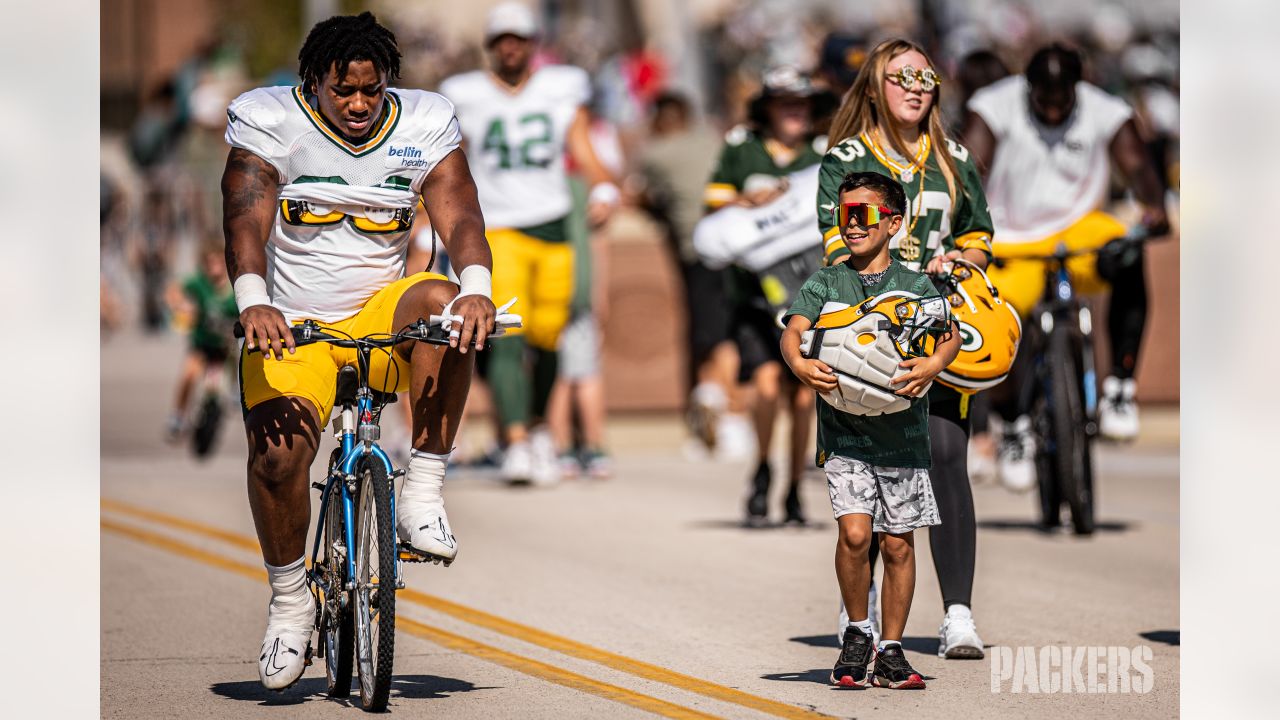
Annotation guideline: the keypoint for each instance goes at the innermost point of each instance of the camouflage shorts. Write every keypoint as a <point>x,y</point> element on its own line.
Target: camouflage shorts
<point>897,499</point>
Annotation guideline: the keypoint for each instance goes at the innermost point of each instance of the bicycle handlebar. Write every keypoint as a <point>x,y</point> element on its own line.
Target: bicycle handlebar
<point>309,332</point>
<point>1135,236</point>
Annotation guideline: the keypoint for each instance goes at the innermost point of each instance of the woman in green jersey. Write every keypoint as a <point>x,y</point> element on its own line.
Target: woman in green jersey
<point>890,122</point>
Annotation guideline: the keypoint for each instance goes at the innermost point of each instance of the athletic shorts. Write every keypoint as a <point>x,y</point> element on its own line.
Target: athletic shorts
<point>1021,281</point>
<point>898,500</point>
<point>579,349</point>
<point>539,274</point>
<point>311,372</point>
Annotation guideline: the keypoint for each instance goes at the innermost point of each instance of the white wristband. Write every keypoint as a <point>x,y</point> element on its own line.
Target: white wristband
<point>605,192</point>
<point>250,290</point>
<point>475,280</point>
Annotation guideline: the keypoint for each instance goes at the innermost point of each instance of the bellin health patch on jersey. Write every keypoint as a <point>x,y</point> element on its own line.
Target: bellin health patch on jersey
<point>406,156</point>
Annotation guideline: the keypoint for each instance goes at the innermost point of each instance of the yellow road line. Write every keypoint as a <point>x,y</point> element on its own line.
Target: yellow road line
<point>231,538</point>
<point>525,665</point>
<point>533,635</point>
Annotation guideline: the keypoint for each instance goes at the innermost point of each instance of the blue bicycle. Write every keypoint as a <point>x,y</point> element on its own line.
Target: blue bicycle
<point>356,558</point>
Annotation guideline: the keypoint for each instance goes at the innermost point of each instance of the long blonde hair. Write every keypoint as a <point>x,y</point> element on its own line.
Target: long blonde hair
<point>858,113</point>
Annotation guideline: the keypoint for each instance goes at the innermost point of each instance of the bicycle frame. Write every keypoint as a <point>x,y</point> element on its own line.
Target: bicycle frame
<point>358,438</point>
<point>1059,304</point>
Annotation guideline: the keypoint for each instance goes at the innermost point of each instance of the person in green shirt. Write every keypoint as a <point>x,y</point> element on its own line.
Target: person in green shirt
<point>205,306</point>
<point>752,171</point>
<point>877,466</point>
<point>891,123</point>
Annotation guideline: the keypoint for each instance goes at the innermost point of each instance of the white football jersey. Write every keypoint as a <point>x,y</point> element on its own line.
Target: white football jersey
<point>516,141</point>
<point>1044,179</point>
<point>326,265</point>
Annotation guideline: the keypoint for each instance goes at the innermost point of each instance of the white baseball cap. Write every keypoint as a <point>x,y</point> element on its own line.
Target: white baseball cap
<point>510,18</point>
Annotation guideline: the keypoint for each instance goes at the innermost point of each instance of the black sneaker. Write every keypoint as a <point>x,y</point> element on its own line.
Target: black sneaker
<point>893,671</point>
<point>855,656</point>
<point>795,516</point>
<point>758,503</point>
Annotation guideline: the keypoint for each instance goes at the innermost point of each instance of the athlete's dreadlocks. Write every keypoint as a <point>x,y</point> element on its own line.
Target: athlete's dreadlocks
<point>342,39</point>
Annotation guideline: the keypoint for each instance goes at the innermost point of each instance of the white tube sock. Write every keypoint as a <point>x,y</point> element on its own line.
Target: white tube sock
<point>863,625</point>
<point>424,479</point>
<point>291,603</point>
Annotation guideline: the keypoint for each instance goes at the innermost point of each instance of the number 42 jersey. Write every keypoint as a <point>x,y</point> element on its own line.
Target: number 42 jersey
<point>516,139</point>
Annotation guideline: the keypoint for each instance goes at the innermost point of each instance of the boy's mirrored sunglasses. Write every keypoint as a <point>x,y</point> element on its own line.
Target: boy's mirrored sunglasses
<point>906,76</point>
<point>862,214</point>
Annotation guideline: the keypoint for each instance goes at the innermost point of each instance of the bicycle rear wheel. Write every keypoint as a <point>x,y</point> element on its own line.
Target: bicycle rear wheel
<point>208,422</point>
<point>374,597</point>
<point>337,631</point>
<point>1072,450</point>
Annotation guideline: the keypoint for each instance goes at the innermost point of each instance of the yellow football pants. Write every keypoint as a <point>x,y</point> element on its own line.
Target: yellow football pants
<point>1021,280</point>
<point>540,274</point>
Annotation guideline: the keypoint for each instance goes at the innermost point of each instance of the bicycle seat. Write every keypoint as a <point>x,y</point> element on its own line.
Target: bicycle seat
<point>349,383</point>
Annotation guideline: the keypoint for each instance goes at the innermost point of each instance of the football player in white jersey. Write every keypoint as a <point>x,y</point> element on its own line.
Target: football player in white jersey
<point>1046,141</point>
<point>517,123</point>
<point>319,195</point>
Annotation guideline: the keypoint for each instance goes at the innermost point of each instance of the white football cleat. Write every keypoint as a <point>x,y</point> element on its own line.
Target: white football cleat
<point>286,647</point>
<point>1118,411</point>
<point>958,637</point>
<point>1016,456</point>
<point>425,529</point>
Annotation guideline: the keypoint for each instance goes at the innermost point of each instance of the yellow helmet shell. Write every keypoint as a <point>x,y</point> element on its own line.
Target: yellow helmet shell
<point>990,331</point>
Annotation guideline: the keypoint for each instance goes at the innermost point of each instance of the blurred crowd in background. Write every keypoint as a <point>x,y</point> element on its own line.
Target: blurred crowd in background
<point>670,79</point>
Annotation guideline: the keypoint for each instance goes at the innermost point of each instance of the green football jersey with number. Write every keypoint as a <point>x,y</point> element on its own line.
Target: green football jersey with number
<point>745,154</point>
<point>933,224</point>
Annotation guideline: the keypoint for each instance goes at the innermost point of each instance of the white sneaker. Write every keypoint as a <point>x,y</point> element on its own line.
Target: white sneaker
<point>545,468</point>
<point>517,463</point>
<point>981,460</point>
<point>1118,411</point>
<point>1016,456</point>
<point>873,614</point>
<point>958,637</point>
<point>735,438</point>
<point>425,528</point>
<point>286,648</point>
<point>707,404</point>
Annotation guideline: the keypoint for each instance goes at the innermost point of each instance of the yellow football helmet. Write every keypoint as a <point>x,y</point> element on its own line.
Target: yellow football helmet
<point>989,330</point>
<point>864,344</point>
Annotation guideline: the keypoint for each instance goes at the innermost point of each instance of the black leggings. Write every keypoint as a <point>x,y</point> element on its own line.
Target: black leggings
<point>953,543</point>
<point>1127,317</point>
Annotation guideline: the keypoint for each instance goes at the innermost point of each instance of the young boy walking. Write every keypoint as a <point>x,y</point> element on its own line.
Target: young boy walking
<point>876,466</point>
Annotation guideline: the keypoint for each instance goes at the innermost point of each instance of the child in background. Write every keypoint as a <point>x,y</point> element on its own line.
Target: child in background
<point>205,306</point>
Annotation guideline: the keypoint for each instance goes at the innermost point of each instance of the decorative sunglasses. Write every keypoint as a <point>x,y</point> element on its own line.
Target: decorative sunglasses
<point>906,76</point>
<point>862,214</point>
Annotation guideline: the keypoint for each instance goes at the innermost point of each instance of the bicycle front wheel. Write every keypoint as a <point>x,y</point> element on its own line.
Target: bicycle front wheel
<point>1072,451</point>
<point>336,629</point>
<point>374,595</point>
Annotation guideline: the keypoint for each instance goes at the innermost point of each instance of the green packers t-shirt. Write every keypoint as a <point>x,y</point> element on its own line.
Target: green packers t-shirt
<point>898,439</point>
<point>215,312</point>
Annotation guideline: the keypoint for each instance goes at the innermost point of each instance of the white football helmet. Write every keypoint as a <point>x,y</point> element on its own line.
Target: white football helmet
<point>863,345</point>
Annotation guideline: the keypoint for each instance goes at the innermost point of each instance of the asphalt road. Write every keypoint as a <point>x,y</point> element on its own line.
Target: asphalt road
<point>631,597</point>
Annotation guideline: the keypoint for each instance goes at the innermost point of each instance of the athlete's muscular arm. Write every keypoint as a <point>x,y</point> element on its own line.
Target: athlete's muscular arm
<point>1129,154</point>
<point>248,210</point>
<point>449,195</point>
<point>584,154</point>
<point>980,141</point>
